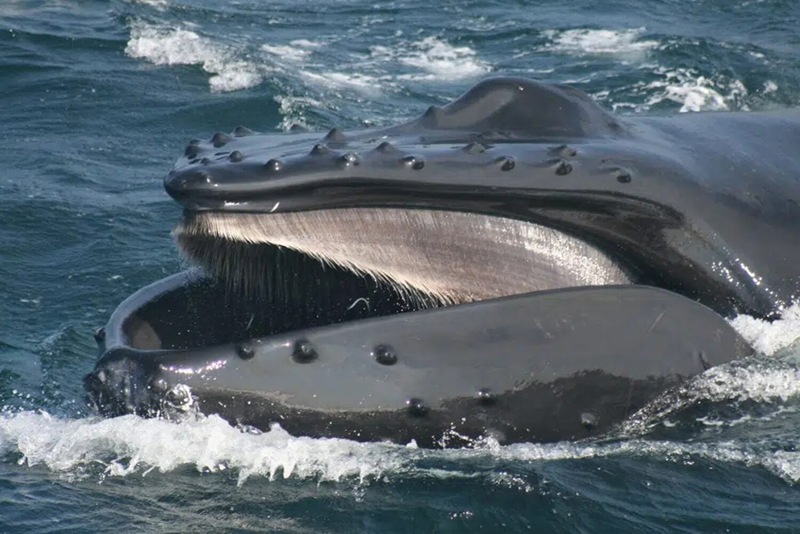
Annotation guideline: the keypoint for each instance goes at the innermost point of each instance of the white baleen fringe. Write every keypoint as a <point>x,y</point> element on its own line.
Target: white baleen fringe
<point>452,256</point>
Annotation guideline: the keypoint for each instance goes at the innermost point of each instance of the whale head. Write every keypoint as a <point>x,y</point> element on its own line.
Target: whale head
<point>514,187</point>
<point>518,263</point>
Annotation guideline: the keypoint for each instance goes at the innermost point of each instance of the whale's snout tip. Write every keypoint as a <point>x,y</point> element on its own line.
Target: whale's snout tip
<point>119,385</point>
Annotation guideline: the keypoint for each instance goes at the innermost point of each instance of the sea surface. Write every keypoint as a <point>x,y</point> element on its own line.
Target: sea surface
<point>98,98</point>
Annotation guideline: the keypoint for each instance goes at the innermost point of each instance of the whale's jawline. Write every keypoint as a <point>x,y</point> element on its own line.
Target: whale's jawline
<point>429,257</point>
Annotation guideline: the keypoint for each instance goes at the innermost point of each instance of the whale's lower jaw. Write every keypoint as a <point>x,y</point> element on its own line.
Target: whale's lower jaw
<point>429,256</point>
<point>545,366</point>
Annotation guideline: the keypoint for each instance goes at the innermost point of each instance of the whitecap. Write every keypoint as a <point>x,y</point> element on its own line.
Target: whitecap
<point>132,446</point>
<point>287,52</point>
<point>292,109</point>
<point>769,87</point>
<point>338,80</point>
<point>600,42</point>
<point>176,46</point>
<point>772,337</point>
<point>306,43</point>
<point>128,445</point>
<point>435,58</point>
<point>695,92</point>
<point>159,4</point>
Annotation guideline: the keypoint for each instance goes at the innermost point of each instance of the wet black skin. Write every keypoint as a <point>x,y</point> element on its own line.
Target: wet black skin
<point>702,210</point>
<point>689,203</point>
<point>546,366</point>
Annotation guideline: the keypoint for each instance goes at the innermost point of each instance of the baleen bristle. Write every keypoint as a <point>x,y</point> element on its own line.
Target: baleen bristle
<point>439,256</point>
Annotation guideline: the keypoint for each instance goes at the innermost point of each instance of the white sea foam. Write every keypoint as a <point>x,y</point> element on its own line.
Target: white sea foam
<point>292,109</point>
<point>435,58</point>
<point>287,52</point>
<point>626,43</point>
<point>160,4</point>
<point>784,464</point>
<point>305,43</point>
<point>761,382</point>
<point>176,46</point>
<point>696,92</point>
<point>340,80</point>
<point>234,66</point>
<point>687,87</point>
<point>772,337</point>
<point>442,60</point>
<point>131,446</point>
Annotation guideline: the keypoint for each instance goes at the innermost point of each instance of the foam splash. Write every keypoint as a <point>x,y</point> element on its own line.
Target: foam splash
<point>695,92</point>
<point>784,464</point>
<point>290,52</point>
<point>687,87</point>
<point>159,4</point>
<point>175,46</point>
<point>237,66</point>
<point>306,43</point>
<point>772,338</point>
<point>435,58</point>
<point>759,381</point>
<point>293,108</point>
<point>234,68</point>
<point>337,80</point>
<point>627,43</point>
<point>131,446</point>
<point>442,60</point>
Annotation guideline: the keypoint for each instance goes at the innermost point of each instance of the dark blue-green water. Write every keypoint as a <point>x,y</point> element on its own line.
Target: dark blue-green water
<point>97,98</point>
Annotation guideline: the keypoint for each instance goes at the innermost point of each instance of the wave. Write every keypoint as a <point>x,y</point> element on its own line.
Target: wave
<point>175,46</point>
<point>624,43</point>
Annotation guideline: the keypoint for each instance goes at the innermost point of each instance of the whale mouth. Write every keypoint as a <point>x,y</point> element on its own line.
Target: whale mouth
<point>599,283</point>
<point>428,258</point>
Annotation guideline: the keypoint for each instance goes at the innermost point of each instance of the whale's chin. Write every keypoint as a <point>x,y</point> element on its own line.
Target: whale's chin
<point>428,257</point>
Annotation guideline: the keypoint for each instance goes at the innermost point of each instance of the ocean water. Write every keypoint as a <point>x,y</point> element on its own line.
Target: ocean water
<point>97,98</point>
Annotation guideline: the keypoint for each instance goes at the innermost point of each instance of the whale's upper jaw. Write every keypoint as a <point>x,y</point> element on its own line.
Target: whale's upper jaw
<point>429,184</point>
<point>637,192</point>
<point>504,134</point>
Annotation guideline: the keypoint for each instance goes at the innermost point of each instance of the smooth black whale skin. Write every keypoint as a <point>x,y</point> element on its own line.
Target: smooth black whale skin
<point>702,211</point>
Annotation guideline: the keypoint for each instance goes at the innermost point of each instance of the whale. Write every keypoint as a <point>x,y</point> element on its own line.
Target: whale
<point>518,264</point>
